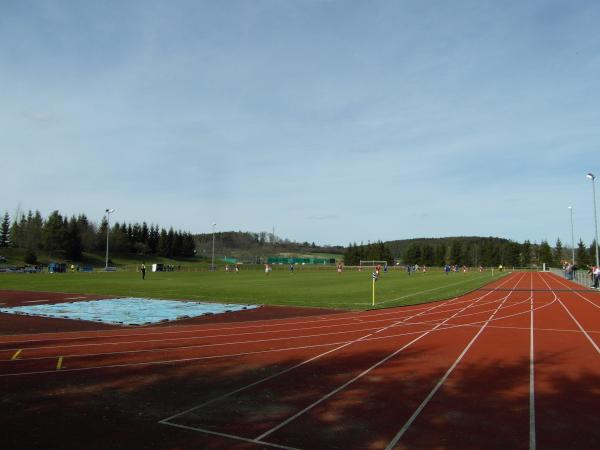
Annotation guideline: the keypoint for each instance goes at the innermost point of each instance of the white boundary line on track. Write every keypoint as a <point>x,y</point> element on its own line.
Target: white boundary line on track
<point>259,323</point>
<point>234,355</point>
<point>230,436</point>
<point>442,380</point>
<point>532,438</point>
<point>167,421</point>
<point>561,281</point>
<point>189,338</point>
<point>175,361</point>
<point>169,349</point>
<point>263,323</point>
<point>366,322</point>
<point>394,313</point>
<point>576,322</point>
<point>362,374</point>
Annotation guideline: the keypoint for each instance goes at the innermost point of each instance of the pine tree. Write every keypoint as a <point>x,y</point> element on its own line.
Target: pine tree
<point>558,252</point>
<point>545,254</point>
<point>582,254</point>
<point>592,252</point>
<point>73,244</point>
<point>54,234</point>
<point>5,231</point>
<point>526,254</point>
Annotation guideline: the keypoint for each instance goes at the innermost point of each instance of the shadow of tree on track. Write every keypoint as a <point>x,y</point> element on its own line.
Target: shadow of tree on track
<point>483,405</point>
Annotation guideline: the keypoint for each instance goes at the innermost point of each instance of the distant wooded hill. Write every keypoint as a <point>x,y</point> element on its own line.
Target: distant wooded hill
<point>250,247</point>
<point>486,251</point>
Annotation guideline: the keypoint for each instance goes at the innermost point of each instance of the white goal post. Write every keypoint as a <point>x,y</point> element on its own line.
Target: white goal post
<point>372,263</point>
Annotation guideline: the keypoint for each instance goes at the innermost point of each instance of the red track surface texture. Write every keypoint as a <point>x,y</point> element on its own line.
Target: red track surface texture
<point>513,366</point>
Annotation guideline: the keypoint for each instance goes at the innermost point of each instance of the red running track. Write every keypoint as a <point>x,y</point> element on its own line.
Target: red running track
<point>515,365</point>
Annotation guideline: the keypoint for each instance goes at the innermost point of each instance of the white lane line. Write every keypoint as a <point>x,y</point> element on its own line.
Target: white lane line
<point>188,347</point>
<point>577,293</point>
<point>191,338</point>
<point>206,327</point>
<point>531,375</point>
<point>580,327</point>
<point>182,360</point>
<point>362,374</point>
<point>576,322</point>
<point>260,323</point>
<point>442,380</point>
<point>262,380</point>
<point>230,436</point>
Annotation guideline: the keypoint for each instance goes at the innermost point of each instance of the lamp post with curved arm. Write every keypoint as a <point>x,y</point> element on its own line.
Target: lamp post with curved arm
<point>108,212</point>
<point>592,177</point>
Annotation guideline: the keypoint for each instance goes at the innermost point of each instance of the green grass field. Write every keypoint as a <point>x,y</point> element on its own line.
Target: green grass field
<point>304,287</point>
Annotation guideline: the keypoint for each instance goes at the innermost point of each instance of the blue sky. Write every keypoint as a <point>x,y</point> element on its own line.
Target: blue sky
<point>332,121</point>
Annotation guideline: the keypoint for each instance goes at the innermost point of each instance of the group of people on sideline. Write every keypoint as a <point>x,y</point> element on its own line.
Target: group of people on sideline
<point>592,271</point>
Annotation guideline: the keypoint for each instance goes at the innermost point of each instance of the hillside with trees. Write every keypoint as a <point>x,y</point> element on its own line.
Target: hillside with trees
<point>64,238</point>
<point>486,251</point>
<point>253,247</point>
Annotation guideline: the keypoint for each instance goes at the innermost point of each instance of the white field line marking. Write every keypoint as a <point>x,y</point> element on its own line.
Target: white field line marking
<point>191,338</point>
<point>262,380</point>
<point>531,376</point>
<point>230,436</point>
<point>575,320</point>
<point>357,377</point>
<point>75,298</point>
<point>169,349</point>
<point>424,292</point>
<point>442,380</point>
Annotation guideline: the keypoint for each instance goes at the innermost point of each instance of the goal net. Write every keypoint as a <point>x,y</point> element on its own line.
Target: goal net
<point>372,263</point>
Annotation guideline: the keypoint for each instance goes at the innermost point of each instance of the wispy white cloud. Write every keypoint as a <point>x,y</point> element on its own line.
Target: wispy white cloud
<point>468,118</point>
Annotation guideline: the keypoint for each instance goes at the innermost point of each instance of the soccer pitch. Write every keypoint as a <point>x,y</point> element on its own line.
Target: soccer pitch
<point>303,287</point>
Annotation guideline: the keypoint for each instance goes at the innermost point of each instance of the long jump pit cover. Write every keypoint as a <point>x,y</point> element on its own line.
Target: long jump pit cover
<point>127,311</point>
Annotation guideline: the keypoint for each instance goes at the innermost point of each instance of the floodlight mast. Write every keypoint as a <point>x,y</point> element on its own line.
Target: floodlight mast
<point>108,212</point>
<point>212,266</point>
<point>592,177</point>
<point>572,238</point>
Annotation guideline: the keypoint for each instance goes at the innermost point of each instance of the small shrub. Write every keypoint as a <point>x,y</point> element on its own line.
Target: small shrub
<point>30,257</point>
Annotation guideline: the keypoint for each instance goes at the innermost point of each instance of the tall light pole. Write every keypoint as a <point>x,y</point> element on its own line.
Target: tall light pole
<point>108,211</point>
<point>212,266</point>
<point>572,237</point>
<point>592,177</point>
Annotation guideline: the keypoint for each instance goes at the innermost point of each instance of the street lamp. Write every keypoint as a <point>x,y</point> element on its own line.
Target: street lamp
<point>108,211</point>
<point>592,177</point>
<point>572,237</point>
<point>212,267</point>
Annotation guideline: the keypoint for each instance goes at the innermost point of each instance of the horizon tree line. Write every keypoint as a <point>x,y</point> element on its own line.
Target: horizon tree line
<point>494,251</point>
<point>69,238</point>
